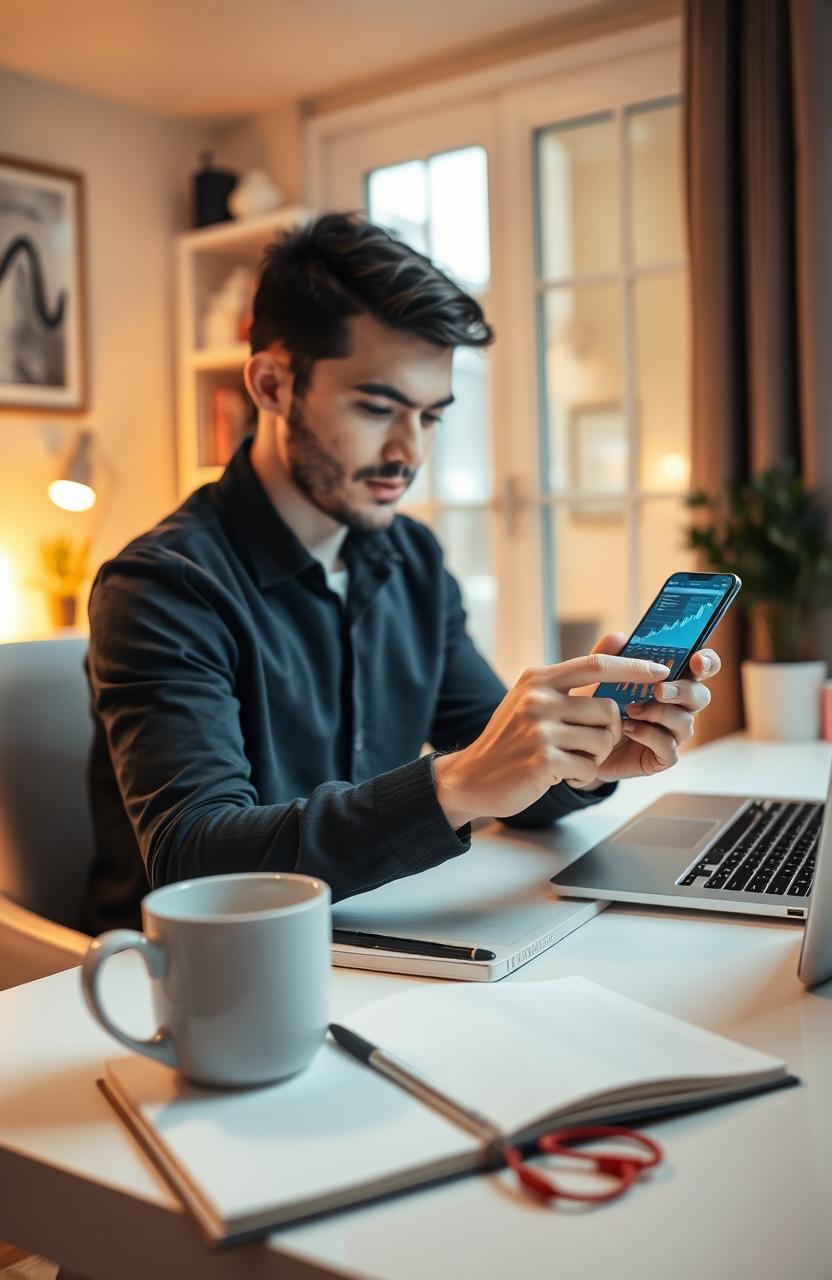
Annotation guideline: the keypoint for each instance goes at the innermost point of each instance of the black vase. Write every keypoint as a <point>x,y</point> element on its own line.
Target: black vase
<point>210,191</point>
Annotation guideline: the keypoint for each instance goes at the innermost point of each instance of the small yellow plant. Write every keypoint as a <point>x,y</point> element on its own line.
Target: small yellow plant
<point>65,564</point>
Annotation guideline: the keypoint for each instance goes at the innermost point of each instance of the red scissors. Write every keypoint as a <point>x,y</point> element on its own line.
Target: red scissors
<point>623,1167</point>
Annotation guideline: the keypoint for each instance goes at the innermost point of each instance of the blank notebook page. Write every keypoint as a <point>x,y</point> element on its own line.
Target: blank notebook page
<point>521,1050</point>
<point>332,1126</point>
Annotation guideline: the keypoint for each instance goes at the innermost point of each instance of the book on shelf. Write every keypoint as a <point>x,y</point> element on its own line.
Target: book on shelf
<point>529,1056</point>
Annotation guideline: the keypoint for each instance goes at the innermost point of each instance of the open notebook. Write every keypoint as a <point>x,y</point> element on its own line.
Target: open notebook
<point>527,1055</point>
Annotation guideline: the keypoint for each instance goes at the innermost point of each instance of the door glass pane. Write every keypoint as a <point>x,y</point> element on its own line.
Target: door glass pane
<point>458,187</point>
<point>466,538</point>
<point>462,448</point>
<point>655,158</point>
<point>591,588</point>
<point>578,198</point>
<point>662,379</point>
<point>584,399</point>
<point>662,546</point>
<point>397,198</point>
<point>440,208</point>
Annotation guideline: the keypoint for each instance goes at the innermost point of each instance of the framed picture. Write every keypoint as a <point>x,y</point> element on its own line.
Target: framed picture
<point>598,460</point>
<point>43,359</point>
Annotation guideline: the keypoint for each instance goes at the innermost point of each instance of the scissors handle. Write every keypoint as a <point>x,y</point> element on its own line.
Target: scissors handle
<point>625,1168</point>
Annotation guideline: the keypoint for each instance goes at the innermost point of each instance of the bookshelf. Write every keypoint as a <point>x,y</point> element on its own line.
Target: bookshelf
<point>213,408</point>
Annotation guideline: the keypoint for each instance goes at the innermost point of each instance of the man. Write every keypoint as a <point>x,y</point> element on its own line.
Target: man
<point>266,664</point>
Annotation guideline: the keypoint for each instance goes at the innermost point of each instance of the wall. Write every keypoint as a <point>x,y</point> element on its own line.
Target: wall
<point>137,169</point>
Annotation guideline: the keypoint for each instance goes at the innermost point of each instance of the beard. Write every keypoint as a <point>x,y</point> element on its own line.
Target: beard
<point>321,478</point>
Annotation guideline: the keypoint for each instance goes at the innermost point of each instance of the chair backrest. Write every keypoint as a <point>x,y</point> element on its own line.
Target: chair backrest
<point>46,842</point>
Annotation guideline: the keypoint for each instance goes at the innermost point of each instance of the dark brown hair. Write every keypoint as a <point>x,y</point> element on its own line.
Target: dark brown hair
<point>315,277</point>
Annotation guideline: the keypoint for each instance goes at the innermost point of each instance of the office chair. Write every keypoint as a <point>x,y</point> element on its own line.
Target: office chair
<point>46,842</point>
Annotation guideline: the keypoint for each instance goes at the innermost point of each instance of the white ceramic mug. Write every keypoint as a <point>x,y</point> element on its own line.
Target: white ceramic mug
<point>239,970</point>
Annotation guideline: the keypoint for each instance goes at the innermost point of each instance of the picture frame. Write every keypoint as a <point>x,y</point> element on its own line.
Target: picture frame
<point>43,299</point>
<point>598,461</point>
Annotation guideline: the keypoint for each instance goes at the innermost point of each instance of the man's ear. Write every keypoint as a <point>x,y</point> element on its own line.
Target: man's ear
<point>268,381</point>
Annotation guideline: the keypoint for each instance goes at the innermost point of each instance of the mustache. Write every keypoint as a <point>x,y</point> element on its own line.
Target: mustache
<point>387,471</point>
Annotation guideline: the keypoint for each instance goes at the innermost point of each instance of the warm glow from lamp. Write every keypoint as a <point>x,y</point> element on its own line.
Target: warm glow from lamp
<point>675,468</point>
<point>8,598</point>
<point>71,496</point>
<point>72,489</point>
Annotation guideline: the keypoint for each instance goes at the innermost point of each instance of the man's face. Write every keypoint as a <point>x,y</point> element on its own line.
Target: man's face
<point>356,435</point>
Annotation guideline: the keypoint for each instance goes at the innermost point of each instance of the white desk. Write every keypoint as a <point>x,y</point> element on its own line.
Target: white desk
<point>746,1189</point>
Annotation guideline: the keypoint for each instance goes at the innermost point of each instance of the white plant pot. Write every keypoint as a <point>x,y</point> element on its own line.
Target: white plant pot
<point>783,699</point>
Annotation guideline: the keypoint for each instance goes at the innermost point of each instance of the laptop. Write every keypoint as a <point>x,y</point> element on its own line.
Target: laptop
<point>762,857</point>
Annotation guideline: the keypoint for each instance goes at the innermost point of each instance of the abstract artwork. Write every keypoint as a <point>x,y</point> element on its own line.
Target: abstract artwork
<point>42,288</point>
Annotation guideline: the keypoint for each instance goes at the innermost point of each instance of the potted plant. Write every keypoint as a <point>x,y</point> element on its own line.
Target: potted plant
<point>773,532</point>
<point>66,565</point>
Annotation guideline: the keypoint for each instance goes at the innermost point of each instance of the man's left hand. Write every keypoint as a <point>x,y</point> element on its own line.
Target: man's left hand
<point>654,731</point>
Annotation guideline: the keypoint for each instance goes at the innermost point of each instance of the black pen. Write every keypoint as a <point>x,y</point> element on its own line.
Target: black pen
<point>404,1077</point>
<point>410,946</point>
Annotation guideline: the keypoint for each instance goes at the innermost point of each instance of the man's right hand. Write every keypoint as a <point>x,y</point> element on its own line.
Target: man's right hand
<point>538,736</point>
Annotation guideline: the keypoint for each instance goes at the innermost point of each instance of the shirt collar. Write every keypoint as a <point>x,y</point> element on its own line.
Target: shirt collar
<point>273,550</point>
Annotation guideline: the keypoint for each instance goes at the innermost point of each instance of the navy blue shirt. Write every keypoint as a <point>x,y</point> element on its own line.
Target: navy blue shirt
<point>247,720</point>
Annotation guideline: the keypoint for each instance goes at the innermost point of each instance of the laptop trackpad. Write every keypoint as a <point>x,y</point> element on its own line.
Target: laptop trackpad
<point>666,833</point>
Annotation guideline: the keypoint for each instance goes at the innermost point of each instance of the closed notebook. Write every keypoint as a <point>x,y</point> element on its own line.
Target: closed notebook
<point>527,1055</point>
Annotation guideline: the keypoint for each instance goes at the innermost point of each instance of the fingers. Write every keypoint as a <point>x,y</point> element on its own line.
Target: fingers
<point>596,743</point>
<point>601,667</point>
<point>539,702</point>
<point>675,720</point>
<point>690,695</point>
<point>572,765</point>
<point>705,664</point>
<point>659,743</point>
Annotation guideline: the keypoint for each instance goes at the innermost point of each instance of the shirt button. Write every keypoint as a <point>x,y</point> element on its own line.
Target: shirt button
<point>358,741</point>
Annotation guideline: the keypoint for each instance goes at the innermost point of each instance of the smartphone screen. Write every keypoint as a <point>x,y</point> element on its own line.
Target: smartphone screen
<point>678,622</point>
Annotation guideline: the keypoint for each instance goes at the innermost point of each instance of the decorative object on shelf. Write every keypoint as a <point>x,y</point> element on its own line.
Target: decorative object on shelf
<point>773,533</point>
<point>65,564</point>
<point>42,288</point>
<point>229,310</point>
<point>210,191</point>
<point>230,416</point>
<point>254,194</point>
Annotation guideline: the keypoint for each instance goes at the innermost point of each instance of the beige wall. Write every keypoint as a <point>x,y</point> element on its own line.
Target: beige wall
<point>270,140</point>
<point>137,169</point>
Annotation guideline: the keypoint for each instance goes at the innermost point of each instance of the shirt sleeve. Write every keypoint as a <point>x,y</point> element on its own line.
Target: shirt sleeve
<point>162,663</point>
<point>469,694</point>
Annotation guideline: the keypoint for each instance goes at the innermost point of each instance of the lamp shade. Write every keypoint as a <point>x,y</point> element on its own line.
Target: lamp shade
<point>72,489</point>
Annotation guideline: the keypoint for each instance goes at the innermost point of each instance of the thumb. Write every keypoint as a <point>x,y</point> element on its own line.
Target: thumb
<point>613,642</point>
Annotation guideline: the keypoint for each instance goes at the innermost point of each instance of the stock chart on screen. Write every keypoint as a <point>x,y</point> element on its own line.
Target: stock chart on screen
<point>667,633</point>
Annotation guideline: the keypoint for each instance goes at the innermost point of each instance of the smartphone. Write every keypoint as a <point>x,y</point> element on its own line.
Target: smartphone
<point>678,622</point>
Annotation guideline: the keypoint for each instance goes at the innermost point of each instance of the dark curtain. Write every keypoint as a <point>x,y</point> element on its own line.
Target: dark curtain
<point>758,125</point>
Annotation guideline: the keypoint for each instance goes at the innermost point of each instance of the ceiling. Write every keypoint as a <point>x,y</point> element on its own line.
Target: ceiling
<point>217,59</point>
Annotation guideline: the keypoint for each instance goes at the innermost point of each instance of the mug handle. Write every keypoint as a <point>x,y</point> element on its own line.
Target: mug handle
<point>160,1045</point>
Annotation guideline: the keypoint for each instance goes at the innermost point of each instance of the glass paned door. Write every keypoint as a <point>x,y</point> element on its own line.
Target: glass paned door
<point>613,331</point>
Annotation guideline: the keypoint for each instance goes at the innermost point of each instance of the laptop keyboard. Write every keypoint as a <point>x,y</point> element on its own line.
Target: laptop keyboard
<point>769,848</point>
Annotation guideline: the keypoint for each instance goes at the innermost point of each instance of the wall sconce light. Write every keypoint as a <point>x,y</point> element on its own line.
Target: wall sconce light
<point>72,488</point>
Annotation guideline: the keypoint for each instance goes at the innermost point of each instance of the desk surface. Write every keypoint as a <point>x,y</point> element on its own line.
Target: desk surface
<point>747,1187</point>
